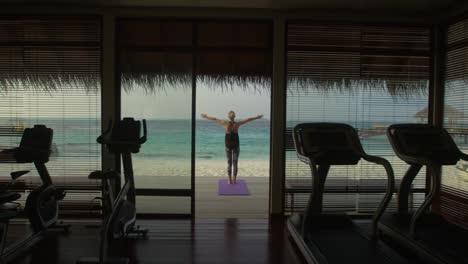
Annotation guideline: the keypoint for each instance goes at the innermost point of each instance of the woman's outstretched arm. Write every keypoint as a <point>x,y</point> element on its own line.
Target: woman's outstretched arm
<point>250,119</point>
<point>219,121</point>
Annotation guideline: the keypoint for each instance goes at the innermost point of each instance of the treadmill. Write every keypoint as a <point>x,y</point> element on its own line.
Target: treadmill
<point>423,232</point>
<point>330,237</point>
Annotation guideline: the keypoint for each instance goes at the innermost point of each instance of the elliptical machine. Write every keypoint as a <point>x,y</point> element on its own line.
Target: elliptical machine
<point>119,212</point>
<point>41,204</point>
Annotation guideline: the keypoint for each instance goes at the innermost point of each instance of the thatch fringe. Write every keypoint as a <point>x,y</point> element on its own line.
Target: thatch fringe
<point>49,82</point>
<point>255,84</point>
<point>395,87</point>
<point>153,83</point>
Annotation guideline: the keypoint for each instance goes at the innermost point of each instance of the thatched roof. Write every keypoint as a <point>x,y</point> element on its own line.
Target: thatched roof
<point>49,53</point>
<point>397,88</point>
<point>154,82</point>
<point>252,71</point>
<point>49,69</point>
<point>49,83</point>
<point>219,70</point>
<point>228,55</point>
<point>55,69</point>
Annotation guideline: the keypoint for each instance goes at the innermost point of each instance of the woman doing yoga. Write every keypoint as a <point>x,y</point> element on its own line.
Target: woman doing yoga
<point>231,140</point>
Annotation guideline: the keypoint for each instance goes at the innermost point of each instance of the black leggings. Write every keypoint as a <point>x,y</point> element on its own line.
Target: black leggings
<point>232,156</point>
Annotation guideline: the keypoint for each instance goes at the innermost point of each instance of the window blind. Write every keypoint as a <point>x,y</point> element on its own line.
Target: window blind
<point>365,76</point>
<point>453,200</point>
<point>50,74</point>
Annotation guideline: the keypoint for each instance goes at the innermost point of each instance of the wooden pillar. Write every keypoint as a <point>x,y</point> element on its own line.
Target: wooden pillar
<point>278,117</point>
<point>108,89</point>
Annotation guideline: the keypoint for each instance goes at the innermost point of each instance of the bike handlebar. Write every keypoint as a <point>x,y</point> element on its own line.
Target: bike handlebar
<point>101,138</point>
<point>145,132</point>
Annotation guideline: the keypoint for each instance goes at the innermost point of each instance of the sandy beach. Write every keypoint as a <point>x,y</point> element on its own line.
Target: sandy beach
<point>213,167</point>
<point>147,167</point>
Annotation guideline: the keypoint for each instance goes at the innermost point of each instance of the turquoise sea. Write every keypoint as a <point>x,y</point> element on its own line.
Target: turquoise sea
<point>171,139</point>
<point>167,139</point>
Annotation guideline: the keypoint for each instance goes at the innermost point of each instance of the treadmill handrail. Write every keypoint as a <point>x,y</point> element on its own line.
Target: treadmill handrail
<point>423,157</point>
<point>145,132</point>
<point>388,193</point>
<point>463,156</point>
<point>435,173</point>
<point>320,170</point>
<point>305,159</point>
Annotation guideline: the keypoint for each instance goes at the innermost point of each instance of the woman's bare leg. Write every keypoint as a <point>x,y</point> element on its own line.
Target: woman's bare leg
<point>229,155</point>
<point>235,159</point>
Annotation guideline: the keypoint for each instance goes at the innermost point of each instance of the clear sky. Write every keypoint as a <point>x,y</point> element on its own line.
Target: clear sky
<point>176,104</point>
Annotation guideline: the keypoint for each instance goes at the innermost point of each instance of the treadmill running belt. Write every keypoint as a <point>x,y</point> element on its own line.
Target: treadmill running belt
<point>336,239</point>
<point>340,246</point>
<point>435,235</point>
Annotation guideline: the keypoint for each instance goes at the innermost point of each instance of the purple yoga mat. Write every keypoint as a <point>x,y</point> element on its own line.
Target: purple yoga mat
<point>240,188</point>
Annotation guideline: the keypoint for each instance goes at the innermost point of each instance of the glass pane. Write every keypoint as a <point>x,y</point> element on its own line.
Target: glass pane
<point>368,91</point>
<point>165,101</point>
<point>155,33</point>
<point>452,202</point>
<point>163,205</point>
<point>222,35</point>
<point>247,101</point>
<point>51,76</point>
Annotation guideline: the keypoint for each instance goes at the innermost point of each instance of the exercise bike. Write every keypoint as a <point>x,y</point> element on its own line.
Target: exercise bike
<point>41,206</point>
<point>119,212</point>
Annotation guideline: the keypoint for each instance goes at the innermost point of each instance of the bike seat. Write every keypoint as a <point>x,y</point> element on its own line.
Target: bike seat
<point>60,194</point>
<point>95,175</point>
<point>6,197</point>
<point>100,175</point>
<point>7,215</point>
<point>16,174</point>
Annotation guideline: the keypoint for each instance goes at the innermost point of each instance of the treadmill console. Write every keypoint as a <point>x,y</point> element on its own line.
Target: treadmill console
<point>35,145</point>
<point>327,143</point>
<point>422,143</point>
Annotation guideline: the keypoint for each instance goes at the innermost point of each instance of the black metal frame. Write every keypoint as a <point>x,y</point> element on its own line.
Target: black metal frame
<point>319,174</point>
<point>416,162</point>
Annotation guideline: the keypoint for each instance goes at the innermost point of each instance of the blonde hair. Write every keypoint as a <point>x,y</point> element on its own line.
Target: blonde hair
<point>231,115</point>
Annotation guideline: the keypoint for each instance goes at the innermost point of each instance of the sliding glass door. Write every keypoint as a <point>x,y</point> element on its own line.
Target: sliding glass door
<point>233,74</point>
<point>156,85</point>
<point>163,64</point>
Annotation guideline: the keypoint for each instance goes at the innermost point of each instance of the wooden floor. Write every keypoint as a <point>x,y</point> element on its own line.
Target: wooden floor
<point>175,241</point>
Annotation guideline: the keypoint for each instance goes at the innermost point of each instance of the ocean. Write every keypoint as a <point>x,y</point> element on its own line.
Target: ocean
<point>168,149</point>
<point>167,139</point>
<point>171,139</point>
